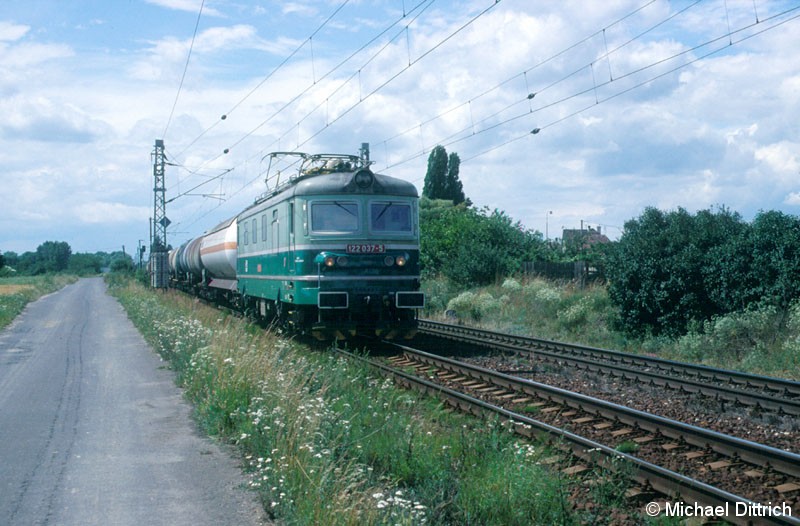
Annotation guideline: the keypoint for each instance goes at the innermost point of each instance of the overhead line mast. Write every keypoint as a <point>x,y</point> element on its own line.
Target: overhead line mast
<point>159,255</point>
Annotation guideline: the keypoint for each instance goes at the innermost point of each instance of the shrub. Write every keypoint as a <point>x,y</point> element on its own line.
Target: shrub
<point>576,313</point>
<point>512,285</point>
<point>472,246</point>
<point>475,306</point>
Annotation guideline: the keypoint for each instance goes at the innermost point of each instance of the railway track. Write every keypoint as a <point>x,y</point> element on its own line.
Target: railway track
<point>592,429</point>
<point>755,391</point>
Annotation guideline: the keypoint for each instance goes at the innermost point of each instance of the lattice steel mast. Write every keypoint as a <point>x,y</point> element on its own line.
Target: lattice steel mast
<point>159,258</point>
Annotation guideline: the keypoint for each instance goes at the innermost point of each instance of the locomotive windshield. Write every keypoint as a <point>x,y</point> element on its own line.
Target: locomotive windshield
<point>334,217</point>
<point>390,216</point>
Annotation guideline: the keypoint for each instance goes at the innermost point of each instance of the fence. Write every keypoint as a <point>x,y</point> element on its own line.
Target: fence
<point>577,271</point>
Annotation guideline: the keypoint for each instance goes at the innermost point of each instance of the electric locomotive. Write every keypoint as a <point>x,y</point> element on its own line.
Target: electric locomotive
<point>334,251</point>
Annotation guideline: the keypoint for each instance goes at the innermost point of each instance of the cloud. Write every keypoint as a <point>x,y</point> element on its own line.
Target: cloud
<point>168,55</point>
<point>191,6</point>
<point>10,32</point>
<point>101,212</point>
<point>25,55</point>
<point>42,119</point>
<point>299,9</point>
<point>782,158</point>
<point>792,199</point>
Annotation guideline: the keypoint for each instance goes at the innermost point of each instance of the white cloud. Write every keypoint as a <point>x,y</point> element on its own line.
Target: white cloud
<point>42,119</point>
<point>781,157</point>
<point>298,8</point>
<point>105,213</point>
<point>26,55</point>
<point>167,57</point>
<point>11,32</point>
<point>793,199</point>
<point>191,6</point>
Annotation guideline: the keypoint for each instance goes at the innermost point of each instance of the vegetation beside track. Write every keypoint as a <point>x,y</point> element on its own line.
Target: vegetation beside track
<point>329,442</point>
<point>762,340</point>
<point>17,292</point>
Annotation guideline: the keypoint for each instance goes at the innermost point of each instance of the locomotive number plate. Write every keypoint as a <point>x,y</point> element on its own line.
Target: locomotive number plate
<point>366,249</point>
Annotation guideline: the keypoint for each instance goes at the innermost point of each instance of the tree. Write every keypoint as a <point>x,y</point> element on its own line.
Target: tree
<point>454,190</point>
<point>11,259</point>
<point>83,264</point>
<point>52,256</point>
<point>24,263</point>
<point>436,176</point>
<point>760,264</point>
<point>662,274</point>
<point>470,246</point>
<point>2,260</point>
<point>441,179</point>
<point>122,263</point>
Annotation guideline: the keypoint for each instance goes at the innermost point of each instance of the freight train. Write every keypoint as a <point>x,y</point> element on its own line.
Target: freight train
<point>332,252</point>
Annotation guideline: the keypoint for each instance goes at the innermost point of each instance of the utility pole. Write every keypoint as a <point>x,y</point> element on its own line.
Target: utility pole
<point>159,258</point>
<point>140,249</point>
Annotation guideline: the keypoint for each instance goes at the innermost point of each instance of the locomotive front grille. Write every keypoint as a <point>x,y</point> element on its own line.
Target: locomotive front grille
<point>410,300</point>
<point>333,300</point>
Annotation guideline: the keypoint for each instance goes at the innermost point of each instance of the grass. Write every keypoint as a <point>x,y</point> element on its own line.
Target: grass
<point>17,292</point>
<point>762,340</point>
<point>326,441</point>
<point>529,307</point>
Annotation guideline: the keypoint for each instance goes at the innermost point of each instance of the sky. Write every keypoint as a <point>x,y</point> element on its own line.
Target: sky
<point>634,104</point>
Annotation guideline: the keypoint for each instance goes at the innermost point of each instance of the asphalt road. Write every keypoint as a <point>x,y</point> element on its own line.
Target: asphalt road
<point>94,431</point>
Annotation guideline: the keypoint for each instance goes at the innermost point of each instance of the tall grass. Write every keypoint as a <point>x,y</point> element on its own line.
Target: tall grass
<point>529,307</point>
<point>17,292</point>
<point>326,441</point>
<point>763,339</point>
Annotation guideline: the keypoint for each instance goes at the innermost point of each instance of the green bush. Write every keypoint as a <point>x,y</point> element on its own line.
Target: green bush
<point>472,246</point>
<point>673,270</point>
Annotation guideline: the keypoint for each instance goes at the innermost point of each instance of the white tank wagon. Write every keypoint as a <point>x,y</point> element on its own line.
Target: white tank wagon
<point>173,255</point>
<point>189,258</point>
<point>218,248</point>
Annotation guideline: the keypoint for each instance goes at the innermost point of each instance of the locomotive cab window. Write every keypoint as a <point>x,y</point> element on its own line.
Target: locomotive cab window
<point>390,216</point>
<point>334,217</point>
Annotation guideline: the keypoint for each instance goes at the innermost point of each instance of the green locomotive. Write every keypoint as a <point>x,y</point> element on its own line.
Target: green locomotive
<point>334,252</point>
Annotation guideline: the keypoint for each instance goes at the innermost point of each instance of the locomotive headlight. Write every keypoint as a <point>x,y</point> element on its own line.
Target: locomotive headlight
<point>342,261</point>
<point>330,261</point>
<point>388,261</point>
<point>401,260</point>
<point>363,178</point>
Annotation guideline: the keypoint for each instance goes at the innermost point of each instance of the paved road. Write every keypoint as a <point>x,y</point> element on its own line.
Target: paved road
<point>93,430</point>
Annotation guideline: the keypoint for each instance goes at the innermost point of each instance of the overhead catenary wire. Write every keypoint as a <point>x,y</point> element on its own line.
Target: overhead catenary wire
<point>424,4</point>
<point>623,92</point>
<point>267,77</point>
<point>410,65</point>
<point>529,95</point>
<point>613,78</point>
<point>299,95</point>
<point>426,53</point>
<point>185,68</point>
<point>448,142</point>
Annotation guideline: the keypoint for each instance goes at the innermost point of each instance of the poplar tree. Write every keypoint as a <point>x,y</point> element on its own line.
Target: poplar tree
<point>441,179</point>
<point>454,190</point>
<point>436,177</point>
